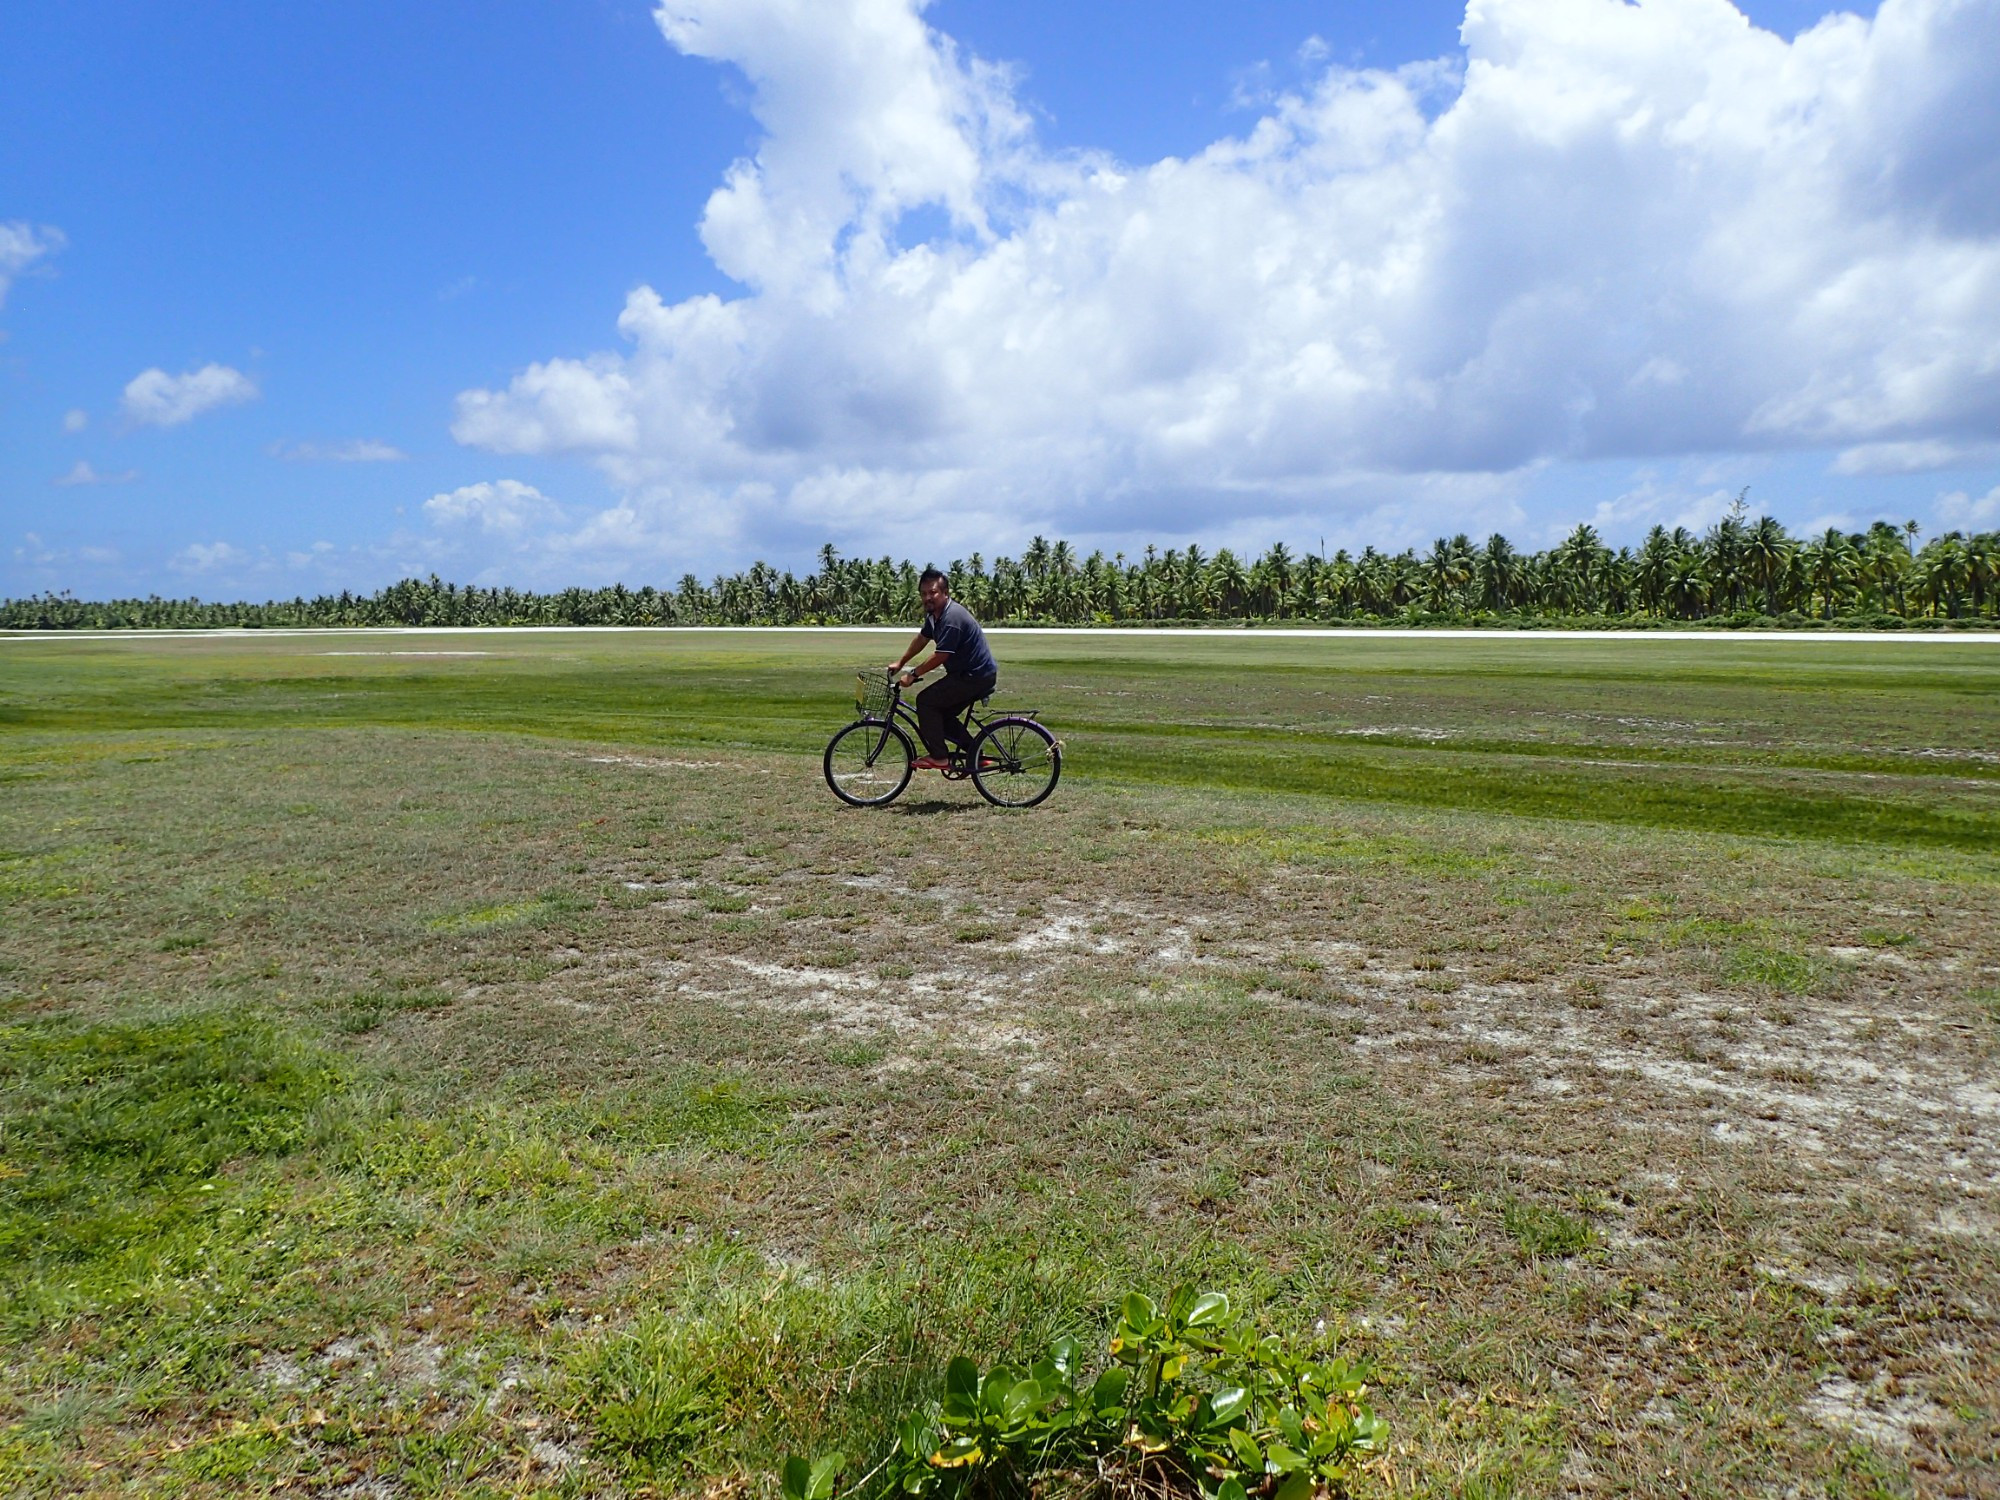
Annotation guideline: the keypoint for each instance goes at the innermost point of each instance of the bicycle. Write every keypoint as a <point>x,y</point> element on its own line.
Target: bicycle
<point>1015,761</point>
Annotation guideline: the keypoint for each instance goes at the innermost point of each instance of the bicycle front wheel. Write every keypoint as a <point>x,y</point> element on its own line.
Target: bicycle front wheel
<point>1016,762</point>
<point>868,763</point>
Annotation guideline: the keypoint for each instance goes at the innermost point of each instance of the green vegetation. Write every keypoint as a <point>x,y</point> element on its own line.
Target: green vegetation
<point>115,1133</point>
<point>513,1073</point>
<point>1741,572</point>
<point>1192,1402</point>
<point>1880,743</point>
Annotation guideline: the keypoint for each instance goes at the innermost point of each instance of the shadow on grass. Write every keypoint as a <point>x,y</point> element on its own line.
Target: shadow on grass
<point>933,806</point>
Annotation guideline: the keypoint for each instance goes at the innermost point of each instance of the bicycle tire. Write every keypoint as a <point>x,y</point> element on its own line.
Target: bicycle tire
<point>1025,762</point>
<point>865,777</point>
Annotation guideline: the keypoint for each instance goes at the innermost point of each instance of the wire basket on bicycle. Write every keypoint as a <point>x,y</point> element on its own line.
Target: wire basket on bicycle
<point>874,691</point>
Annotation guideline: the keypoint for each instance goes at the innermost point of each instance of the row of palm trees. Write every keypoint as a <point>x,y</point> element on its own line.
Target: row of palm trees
<point>1740,570</point>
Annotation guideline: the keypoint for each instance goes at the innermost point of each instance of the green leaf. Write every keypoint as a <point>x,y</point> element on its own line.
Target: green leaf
<point>1299,1486</point>
<point>1231,1489</point>
<point>914,1437</point>
<point>1022,1401</point>
<point>1284,1458</point>
<point>820,1484</point>
<point>1248,1455</point>
<point>1109,1391</point>
<point>994,1389</point>
<point>1227,1405</point>
<point>1340,1376</point>
<point>1337,1423</point>
<point>1140,1314</point>
<point>1065,1354</point>
<point>961,1378</point>
<point>795,1479</point>
<point>1212,1308</point>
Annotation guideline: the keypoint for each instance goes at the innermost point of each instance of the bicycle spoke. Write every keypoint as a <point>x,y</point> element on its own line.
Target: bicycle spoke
<point>868,763</point>
<point>1017,764</point>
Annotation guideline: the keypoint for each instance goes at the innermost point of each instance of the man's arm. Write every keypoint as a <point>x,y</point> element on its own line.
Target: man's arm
<point>916,645</point>
<point>937,659</point>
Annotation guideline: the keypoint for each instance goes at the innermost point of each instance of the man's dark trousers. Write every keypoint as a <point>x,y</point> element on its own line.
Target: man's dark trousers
<point>937,711</point>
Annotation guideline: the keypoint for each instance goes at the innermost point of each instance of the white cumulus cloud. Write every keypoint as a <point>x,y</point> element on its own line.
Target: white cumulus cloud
<point>36,553</point>
<point>1607,230</point>
<point>1959,509</point>
<point>84,473</point>
<point>207,557</point>
<point>505,507</point>
<point>1918,457</point>
<point>21,245</point>
<point>153,398</point>
<point>352,451</point>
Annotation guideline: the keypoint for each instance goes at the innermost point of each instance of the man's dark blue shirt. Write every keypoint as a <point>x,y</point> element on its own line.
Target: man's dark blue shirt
<point>954,630</point>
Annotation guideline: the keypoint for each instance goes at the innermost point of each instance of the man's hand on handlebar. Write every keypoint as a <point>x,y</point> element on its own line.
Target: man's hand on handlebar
<point>915,674</point>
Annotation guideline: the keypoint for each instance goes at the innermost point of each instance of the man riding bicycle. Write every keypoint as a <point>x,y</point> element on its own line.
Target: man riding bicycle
<point>959,646</point>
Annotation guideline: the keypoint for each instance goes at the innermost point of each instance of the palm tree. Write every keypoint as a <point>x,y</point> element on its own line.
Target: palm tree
<point>1227,584</point>
<point>1374,582</point>
<point>1767,555</point>
<point>1193,583</point>
<point>1940,573</point>
<point>1338,587</point>
<point>1652,571</point>
<point>1982,568</point>
<point>1437,577</point>
<point>1687,584</point>
<point>1035,561</point>
<point>1311,581</point>
<point>1831,564</point>
<point>1885,564</point>
<point>1578,570</point>
<point>1621,574</point>
<point>1277,568</point>
<point>1499,573</point>
<point>1727,569</point>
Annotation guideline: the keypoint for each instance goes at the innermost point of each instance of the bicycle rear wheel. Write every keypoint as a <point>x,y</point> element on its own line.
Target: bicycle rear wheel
<point>868,763</point>
<point>1016,762</point>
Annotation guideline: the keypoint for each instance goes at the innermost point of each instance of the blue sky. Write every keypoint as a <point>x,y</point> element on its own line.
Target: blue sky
<point>305,297</point>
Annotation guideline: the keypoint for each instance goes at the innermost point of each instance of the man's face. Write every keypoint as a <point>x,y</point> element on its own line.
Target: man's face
<point>934,594</point>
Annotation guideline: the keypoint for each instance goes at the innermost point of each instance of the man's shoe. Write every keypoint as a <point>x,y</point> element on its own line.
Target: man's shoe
<point>930,763</point>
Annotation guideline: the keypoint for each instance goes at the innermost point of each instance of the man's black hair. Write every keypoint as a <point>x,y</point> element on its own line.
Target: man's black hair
<point>928,574</point>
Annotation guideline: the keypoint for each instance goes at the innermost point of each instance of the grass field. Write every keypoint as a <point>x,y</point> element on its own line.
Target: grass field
<point>512,1071</point>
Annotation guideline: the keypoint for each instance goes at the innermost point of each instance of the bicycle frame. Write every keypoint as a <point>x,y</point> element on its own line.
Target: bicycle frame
<point>973,718</point>
<point>1011,755</point>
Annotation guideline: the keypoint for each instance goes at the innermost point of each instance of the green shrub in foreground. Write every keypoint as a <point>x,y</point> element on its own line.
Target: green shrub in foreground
<point>1193,1402</point>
